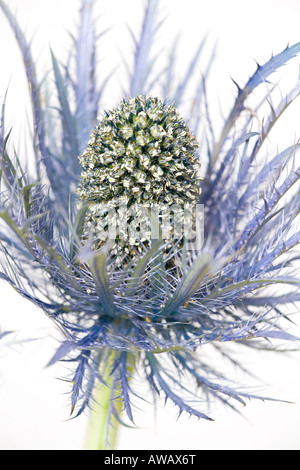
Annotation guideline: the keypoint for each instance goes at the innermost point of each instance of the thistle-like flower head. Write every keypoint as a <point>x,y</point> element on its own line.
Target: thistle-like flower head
<point>141,154</point>
<point>156,310</point>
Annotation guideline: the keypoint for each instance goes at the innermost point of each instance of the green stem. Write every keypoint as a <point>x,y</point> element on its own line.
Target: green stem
<point>101,420</point>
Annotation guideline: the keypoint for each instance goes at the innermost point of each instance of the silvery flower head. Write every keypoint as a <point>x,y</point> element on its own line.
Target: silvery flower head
<point>140,161</point>
<point>124,299</point>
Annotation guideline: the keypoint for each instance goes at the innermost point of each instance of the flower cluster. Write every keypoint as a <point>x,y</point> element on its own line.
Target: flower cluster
<point>141,155</point>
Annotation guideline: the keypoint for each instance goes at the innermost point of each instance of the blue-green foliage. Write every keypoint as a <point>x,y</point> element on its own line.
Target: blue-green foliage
<point>154,314</point>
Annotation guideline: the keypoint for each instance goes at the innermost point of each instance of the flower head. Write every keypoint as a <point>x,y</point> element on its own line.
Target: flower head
<point>141,155</point>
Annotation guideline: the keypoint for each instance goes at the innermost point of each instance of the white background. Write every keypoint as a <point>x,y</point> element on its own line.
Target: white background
<point>33,402</point>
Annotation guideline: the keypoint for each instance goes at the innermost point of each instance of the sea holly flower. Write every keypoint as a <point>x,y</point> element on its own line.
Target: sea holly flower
<point>144,303</point>
<point>141,156</point>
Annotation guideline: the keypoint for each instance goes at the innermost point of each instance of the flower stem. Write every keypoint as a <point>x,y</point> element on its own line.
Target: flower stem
<point>103,426</point>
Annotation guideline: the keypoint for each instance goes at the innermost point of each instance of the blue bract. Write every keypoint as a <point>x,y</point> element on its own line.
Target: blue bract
<point>127,304</point>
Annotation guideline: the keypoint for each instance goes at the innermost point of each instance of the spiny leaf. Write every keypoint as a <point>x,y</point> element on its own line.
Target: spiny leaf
<point>68,120</point>
<point>143,48</point>
<point>31,77</point>
<point>137,275</point>
<point>189,284</point>
<point>77,230</point>
<point>87,95</point>
<point>260,219</point>
<point>261,74</point>
<point>98,266</point>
